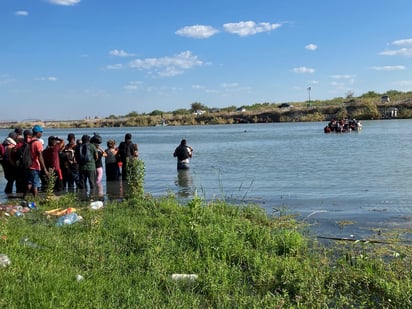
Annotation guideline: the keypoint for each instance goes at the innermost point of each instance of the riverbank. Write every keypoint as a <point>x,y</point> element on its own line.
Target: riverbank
<point>146,252</point>
<point>263,113</point>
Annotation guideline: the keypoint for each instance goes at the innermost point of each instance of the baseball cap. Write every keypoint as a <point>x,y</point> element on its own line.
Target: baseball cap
<point>37,129</point>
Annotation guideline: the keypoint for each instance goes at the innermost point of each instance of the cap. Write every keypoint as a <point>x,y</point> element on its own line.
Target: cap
<point>9,141</point>
<point>37,129</point>
<point>96,139</point>
<point>13,135</point>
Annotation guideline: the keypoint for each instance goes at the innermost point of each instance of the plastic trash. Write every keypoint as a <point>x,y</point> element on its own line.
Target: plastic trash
<point>26,242</point>
<point>96,205</point>
<point>18,214</point>
<point>68,219</point>
<point>187,277</point>
<point>16,211</point>
<point>4,260</point>
<point>79,278</point>
<point>32,205</point>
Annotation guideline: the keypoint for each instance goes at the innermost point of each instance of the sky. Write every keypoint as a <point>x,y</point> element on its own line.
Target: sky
<point>75,59</point>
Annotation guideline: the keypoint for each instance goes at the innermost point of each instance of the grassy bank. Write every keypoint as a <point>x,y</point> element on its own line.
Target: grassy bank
<point>127,252</point>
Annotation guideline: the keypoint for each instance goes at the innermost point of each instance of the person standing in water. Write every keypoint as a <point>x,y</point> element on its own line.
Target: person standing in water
<point>128,151</point>
<point>183,153</point>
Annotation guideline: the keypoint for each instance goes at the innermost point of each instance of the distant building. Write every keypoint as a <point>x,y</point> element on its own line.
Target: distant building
<point>393,112</point>
<point>199,112</point>
<point>285,105</point>
<point>385,99</point>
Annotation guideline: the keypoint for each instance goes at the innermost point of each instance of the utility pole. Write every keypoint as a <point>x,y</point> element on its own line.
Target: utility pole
<point>309,89</point>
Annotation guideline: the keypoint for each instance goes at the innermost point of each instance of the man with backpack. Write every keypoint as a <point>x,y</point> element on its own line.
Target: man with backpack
<point>86,156</point>
<point>34,162</point>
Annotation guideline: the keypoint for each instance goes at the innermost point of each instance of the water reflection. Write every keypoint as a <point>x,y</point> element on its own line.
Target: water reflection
<point>184,181</point>
<point>114,190</point>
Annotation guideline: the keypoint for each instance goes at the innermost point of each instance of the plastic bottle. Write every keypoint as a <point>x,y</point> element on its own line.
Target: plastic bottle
<point>26,242</point>
<point>18,214</point>
<point>96,205</point>
<point>68,219</point>
<point>4,260</point>
<point>188,277</point>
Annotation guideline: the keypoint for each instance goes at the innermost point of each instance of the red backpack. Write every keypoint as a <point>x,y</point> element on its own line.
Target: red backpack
<point>2,152</point>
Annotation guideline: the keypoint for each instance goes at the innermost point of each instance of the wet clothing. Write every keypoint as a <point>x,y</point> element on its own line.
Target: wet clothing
<point>87,169</point>
<point>182,153</point>
<point>111,165</point>
<point>127,153</point>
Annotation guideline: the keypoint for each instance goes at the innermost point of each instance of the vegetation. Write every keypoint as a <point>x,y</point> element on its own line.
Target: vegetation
<point>236,256</point>
<point>365,107</point>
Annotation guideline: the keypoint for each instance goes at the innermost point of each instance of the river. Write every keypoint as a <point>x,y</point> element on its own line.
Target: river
<point>360,177</point>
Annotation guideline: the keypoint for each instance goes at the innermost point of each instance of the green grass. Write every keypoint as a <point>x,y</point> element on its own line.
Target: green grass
<point>244,258</point>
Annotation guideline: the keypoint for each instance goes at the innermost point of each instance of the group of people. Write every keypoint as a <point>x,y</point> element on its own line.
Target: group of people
<point>342,126</point>
<point>29,164</point>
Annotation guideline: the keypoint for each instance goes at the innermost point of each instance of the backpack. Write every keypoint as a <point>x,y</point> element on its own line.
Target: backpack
<point>85,154</point>
<point>23,155</point>
<point>126,151</point>
<point>67,155</point>
<point>182,153</point>
<point>2,152</point>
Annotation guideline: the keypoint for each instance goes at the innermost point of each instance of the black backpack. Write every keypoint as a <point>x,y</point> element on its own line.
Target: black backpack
<point>85,154</point>
<point>23,155</point>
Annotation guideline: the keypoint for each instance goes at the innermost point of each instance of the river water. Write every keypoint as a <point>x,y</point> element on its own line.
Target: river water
<point>359,177</point>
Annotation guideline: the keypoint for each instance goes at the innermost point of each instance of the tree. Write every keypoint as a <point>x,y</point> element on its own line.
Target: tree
<point>349,94</point>
<point>156,112</point>
<point>198,106</point>
<point>132,114</point>
<point>181,111</point>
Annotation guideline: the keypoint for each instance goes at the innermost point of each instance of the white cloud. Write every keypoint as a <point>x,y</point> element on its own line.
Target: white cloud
<point>168,66</point>
<point>389,68</point>
<point>404,83</point>
<point>197,31</point>
<point>337,84</point>
<point>116,66</point>
<point>303,70</point>
<point>403,42</point>
<point>342,76</point>
<point>120,53</point>
<point>64,2</point>
<point>5,79</point>
<point>407,52</point>
<point>198,87</point>
<point>229,85</point>
<point>246,28</point>
<point>21,13</point>
<point>133,85</point>
<point>48,78</point>
<point>311,47</point>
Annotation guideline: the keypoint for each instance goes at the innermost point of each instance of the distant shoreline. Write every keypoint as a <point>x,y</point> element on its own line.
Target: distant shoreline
<point>355,109</point>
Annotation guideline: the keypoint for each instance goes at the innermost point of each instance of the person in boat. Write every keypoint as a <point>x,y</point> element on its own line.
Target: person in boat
<point>183,152</point>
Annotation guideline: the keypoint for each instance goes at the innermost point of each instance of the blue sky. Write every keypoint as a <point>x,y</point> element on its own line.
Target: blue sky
<point>71,59</point>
